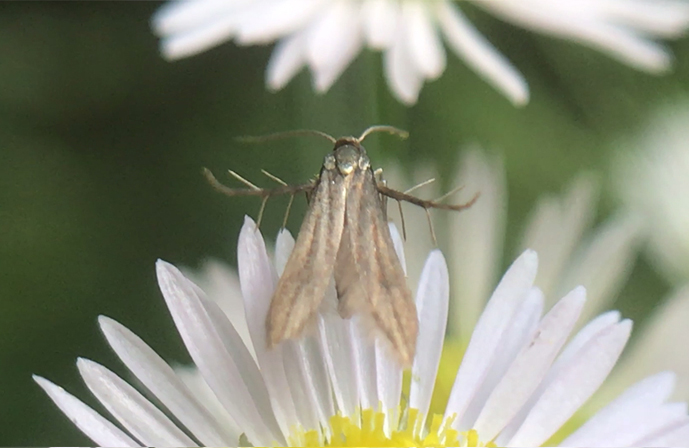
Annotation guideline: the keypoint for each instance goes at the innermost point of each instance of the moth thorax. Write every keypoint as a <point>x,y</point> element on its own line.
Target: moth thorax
<point>349,157</point>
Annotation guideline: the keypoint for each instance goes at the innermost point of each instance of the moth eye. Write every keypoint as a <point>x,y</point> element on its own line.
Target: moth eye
<point>329,163</point>
<point>364,163</point>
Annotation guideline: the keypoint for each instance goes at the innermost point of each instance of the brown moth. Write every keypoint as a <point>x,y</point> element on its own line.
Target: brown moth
<point>344,235</point>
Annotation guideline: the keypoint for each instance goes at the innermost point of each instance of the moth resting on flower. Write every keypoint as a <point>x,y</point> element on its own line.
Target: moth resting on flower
<point>344,235</point>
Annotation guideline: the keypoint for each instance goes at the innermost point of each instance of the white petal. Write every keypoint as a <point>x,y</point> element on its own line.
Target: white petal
<point>220,283</point>
<point>146,422</point>
<point>505,302</point>
<point>531,365</point>
<point>193,40</point>
<point>258,280</point>
<point>288,57</point>
<point>315,373</point>
<point>210,354</point>
<point>192,378</point>
<point>616,41</point>
<point>275,20</point>
<point>480,55</point>
<point>675,436</point>
<point>179,16</point>
<point>665,18</point>
<point>161,380</point>
<point>573,386</point>
<point>477,238</point>
<point>388,384</point>
<point>603,264</point>
<point>432,305</point>
<point>364,356</point>
<point>555,228</point>
<point>380,22</point>
<point>650,424</point>
<point>521,330</point>
<point>338,354</point>
<point>590,330</point>
<point>92,424</point>
<point>654,348</point>
<point>399,245</point>
<point>302,391</point>
<point>333,42</point>
<point>388,371</point>
<point>425,47</point>
<point>613,425</point>
<point>284,245</point>
<point>304,362</point>
<point>401,73</point>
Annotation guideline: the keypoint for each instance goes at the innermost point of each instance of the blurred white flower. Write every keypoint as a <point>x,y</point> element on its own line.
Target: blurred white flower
<point>519,382</point>
<point>326,35</point>
<point>652,178</point>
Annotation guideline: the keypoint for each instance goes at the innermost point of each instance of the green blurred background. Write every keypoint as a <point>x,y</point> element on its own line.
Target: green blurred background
<point>102,142</point>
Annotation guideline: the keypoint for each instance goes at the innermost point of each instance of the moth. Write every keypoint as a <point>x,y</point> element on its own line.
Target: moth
<point>344,235</point>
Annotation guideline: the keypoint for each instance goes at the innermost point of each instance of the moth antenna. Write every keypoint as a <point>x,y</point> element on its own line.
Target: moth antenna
<point>448,194</point>
<point>289,207</point>
<point>260,212</point>
<point>283,135</point>
<point>273,177</point>
<point>422,184</point>
<point>404,228</point>
<point>244,181</point>
<point>383,128</point>
<point>430,225</point>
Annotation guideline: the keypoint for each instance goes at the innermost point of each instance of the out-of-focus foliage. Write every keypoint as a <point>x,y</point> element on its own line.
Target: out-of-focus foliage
<point>102,142</point>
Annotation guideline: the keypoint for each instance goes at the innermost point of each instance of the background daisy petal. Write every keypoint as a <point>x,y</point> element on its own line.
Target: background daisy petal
<point>425,47</point>
<point>379,22</point>
<point>276,19</point>
<point>480,55</point>
<point>333,42</point>
<point>476,253</point>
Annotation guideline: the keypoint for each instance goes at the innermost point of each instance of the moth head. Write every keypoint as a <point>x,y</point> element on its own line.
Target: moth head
<point>349,156</point>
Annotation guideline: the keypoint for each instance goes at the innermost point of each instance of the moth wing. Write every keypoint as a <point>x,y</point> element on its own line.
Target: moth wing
<point>368,274</point>
<point>301,288</point>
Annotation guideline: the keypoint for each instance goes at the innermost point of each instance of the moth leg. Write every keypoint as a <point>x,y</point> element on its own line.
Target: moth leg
<point>291,197</point>
<point>253,190</point>
<point>264,193</point>
<point>422,184</point>
<point>260,211</point>
<point>423,203</point>
<point>430,225</point>
<point>289,207</point>
<point>274,177</point>
<point>448,194</point>
<point>404,228</point>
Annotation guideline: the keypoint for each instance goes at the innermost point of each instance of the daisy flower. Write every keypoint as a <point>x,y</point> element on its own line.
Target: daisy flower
<point>522,377</point>
<point>651,178</point>
<point>326,35</point>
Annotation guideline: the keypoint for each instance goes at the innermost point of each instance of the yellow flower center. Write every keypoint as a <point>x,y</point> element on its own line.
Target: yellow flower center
<point>368,430</point>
